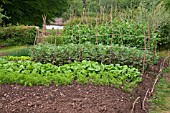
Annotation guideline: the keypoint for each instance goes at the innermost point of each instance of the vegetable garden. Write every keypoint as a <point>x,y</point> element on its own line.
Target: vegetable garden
<point>90,59</point>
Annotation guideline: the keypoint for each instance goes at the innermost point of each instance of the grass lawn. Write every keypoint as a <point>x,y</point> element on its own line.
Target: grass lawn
<point>161,98</point>
<point>15,51</point>
<point>11,48</point>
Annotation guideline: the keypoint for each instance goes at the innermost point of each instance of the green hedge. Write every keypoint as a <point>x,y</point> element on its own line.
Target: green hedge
<point>69,53</point>
<point>17,35</point>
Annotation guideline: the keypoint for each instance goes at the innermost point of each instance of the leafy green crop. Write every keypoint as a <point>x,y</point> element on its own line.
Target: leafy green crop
<point>16,58</point>
<point>31,73</point>
<point>127,33</point>
<point>69,53</point>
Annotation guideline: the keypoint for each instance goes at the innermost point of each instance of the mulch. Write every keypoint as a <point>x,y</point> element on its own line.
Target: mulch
<point>75,98</point>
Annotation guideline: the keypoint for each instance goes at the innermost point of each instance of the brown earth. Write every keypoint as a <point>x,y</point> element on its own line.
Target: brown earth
<point>74,98</point>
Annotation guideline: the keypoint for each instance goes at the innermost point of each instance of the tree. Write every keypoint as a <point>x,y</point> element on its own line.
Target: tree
<point>2,15</point>
<point>29,12</point>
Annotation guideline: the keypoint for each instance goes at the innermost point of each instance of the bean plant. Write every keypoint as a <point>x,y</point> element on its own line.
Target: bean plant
<point>128,33</point>
<point>66,54</point>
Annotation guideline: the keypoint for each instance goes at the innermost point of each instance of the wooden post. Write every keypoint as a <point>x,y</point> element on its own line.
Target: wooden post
<point>111,16</point>
<point>83,15</point>
<point>54,44</point>
<point>100,13</point>
<point>121,35</point>
<point>103,20</point>
<point>36,37</point>
<point>87,17</point>
<point>111,23</point>
<point>97,30</point>
<point>131,10</point>
<point>72,36</point>
<point>144,58</point>
<point>44,28</point>
<point>148,35</point>
<point>79,33</point>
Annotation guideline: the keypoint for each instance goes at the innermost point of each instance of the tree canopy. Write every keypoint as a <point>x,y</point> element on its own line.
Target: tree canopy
<point>29,12</point>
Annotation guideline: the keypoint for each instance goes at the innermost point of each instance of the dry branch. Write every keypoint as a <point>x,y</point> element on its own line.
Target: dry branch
<point>159,74</point>
<point>143,103</point>
<point>134,104</point>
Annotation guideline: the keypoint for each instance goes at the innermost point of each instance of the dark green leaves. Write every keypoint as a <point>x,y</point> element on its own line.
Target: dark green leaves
<point>69,53</point>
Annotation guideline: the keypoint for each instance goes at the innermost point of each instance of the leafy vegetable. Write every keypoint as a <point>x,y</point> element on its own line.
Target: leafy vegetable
<point>31,73</point>
<point>69,53</point>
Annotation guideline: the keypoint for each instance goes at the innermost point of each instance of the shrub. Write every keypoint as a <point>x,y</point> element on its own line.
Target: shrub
<point>69,53</point>
<point>18,35</point>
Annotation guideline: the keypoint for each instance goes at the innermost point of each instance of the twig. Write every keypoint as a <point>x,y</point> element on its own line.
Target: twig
<point>143,103</point>
<point>134,104</point>
<point>157,77</point>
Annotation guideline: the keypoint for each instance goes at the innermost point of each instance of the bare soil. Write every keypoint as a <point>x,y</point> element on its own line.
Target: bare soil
<point>75,98</point>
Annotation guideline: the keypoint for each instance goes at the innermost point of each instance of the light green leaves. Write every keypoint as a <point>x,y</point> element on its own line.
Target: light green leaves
<point>31,73</point>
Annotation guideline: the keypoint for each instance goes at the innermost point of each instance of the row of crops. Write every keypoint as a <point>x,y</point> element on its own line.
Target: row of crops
<point>85,58</point>
<point>69,53</point>
<point>30,73</point>
<point>128,33</point>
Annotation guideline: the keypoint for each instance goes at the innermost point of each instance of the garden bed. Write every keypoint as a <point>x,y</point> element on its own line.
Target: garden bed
<point>75,98</point>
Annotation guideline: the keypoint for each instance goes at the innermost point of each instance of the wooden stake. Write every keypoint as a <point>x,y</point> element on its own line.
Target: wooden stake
<point>79,33</point>
<point>36,37</point>
<point>143,69</point>
<point>149,35</point>
<point>55,45</point>
<point>96,30</point>
<point>72,36</point>
<point>83,15</point>
<point>44,29</point>
<point>111,17</point>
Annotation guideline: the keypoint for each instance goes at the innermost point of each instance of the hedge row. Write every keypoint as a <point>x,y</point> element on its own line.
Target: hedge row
<point>17,35</point>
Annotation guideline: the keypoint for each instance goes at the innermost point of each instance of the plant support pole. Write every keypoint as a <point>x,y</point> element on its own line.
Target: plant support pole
<point>44,29</point>
<point>143,69</point>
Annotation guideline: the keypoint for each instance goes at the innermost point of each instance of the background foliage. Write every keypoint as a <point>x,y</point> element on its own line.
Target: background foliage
<point>29,12</point>
<point>17,35</point>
